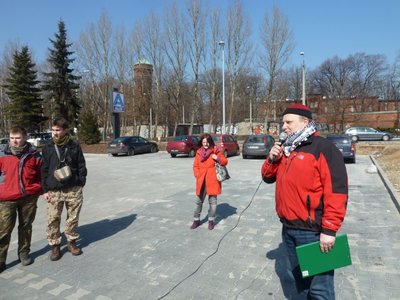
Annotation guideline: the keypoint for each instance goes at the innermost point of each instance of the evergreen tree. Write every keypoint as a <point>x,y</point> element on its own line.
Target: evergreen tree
<point>60,84</point>
<point>89,131</point>
<point>25,107</point>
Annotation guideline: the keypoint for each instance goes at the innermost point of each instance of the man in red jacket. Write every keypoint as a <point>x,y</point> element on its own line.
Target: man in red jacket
<point>19,192</point>
<point>311,194</point>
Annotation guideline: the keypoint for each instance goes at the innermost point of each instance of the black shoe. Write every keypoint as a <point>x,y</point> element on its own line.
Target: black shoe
<point>2,266</point>
<point>25,259</point>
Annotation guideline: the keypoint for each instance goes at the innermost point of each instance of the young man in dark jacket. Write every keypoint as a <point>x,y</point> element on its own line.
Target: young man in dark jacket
<point>63,151</point>
<point>311,194</point>
<point>19,192</point>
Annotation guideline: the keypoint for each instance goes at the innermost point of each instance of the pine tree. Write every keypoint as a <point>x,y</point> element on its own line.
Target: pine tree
<point>25,107</point>
<point>89,131</point>
<point>60,84</point>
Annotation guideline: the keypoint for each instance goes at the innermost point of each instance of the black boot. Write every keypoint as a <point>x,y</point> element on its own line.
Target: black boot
<point>25,259</point>
<point>2,266</point>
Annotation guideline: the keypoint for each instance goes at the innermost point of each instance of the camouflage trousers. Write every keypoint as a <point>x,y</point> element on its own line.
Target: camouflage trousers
<point>25,208</point>
<point>72,198</point>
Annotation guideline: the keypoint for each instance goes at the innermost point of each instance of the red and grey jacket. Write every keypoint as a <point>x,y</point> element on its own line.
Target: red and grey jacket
<point>21,175</point>
<point>311,186</point>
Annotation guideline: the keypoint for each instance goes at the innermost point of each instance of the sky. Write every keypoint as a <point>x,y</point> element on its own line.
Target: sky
<point>322,29</point>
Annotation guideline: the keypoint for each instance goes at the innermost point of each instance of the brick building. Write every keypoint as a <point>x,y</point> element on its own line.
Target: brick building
<point>342,113</point>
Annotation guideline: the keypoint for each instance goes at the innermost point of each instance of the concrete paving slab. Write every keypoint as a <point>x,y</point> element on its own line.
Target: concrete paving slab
<point>137,243</point>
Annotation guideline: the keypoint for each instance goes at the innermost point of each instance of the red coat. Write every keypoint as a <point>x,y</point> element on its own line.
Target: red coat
<point>311,186</point>
<point>205,171</point>
<point>21,176</point>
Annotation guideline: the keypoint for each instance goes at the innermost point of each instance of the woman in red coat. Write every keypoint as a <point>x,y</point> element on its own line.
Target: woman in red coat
<point>206,178</point>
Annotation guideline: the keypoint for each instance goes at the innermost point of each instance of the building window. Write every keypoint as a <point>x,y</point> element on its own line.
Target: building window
<point>326,109</point>
<point>351,108</point>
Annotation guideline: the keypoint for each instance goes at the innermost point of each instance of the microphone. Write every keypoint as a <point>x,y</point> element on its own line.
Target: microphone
<point>282,137</point>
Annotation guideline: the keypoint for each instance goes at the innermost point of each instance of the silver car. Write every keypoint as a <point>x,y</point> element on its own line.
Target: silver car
<point>367,134</point>
<point>257,145</point>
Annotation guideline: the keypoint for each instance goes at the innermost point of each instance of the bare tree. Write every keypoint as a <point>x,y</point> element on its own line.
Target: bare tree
<point>212,76</point>
<point>368,70</point>
<point>94,53</point>
<point>333,78</point>
<point>5,64</point>
<point>238,49</point>
<point>278,43</point>
<point>196,47</point>
<point>176,56</point>
<point>121,53</point>
<point>153,47</point>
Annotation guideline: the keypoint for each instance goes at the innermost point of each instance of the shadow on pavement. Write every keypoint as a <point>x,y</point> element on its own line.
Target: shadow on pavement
<point>224,211</point>
<point>102,229</point>
<point>279,255</point>
<point>89,233</point>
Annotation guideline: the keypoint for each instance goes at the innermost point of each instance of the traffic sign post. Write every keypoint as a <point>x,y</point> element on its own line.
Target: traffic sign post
<point>118,106</point>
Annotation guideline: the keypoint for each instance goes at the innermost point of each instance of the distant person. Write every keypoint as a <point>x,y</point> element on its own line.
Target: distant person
<point>61,151</point>
<point>19,192</point>
<point>206,178</point>
<point>311,194</point>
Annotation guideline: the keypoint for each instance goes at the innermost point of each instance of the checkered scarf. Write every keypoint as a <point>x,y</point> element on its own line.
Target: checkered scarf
<point>295,139</point>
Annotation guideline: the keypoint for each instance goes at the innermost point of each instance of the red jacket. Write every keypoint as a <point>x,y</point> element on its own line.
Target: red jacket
<point>205,172</point>
<point>311,186</point>
<point>21,175</point>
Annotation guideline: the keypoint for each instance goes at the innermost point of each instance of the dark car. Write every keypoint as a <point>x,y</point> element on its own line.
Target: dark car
<point>345,144</point>
<point>183,144</point>
<point>226,144</point>
<point>131,145</point>
<point>257,145</point>
<point>3,144</point>
<point>367,134</point>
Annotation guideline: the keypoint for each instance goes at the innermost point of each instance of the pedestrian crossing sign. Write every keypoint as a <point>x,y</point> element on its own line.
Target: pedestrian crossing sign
<point>118,102</point>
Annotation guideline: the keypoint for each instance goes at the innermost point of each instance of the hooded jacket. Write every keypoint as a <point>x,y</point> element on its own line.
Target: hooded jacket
<point>21,174</point>
<point>311,186</point>
<point>73,158</point>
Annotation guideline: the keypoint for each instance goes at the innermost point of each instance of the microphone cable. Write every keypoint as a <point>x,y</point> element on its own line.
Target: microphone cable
<point>219,242</point>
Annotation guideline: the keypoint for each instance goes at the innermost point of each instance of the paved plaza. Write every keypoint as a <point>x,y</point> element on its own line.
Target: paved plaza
<point>137,243</point>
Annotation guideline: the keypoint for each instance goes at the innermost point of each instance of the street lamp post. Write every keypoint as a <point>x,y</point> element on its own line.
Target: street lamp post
<point>303,73</point>
<point>222,44</point>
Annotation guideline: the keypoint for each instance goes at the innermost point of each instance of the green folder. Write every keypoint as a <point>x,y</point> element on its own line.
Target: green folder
<point>312,261</point>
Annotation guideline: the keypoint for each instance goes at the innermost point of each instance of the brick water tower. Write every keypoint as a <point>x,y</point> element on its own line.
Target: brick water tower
<point>143,80</point>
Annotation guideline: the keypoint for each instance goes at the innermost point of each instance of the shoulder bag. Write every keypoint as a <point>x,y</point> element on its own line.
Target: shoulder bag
<point>63,172</point>
<point>222,172</point>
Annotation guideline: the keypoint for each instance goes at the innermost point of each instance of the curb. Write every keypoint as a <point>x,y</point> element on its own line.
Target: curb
<point>389,186</point>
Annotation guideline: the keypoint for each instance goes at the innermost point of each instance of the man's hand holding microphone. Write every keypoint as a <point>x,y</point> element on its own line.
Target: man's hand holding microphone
<point>276,151</point>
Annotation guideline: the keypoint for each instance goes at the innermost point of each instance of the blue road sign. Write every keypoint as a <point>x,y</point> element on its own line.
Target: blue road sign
<point>118,102</point>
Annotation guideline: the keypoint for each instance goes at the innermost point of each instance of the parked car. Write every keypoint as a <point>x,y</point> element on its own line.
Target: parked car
<point>367,134</point>
<point>226,144</point>
<point>39,138</point>
<point>131,145</point>
<point>3,144</point>
<point>257,145</point>
<point>183,144</point>
<point>345,144</point>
